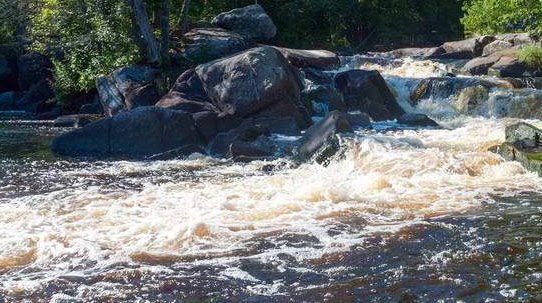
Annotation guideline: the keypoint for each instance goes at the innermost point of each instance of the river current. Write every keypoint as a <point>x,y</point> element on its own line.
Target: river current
<point>402,215</point>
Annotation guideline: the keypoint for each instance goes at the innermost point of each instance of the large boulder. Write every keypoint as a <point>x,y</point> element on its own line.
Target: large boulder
<point>367,91</point>
<point>206,44</point>
<point>187,94</point>
<point>259,81</point>
<point>464,49</point>
<point>250,21</point>
<point>481,65</point>
<point>496,46</point>
<point>508,67</point>
<point>319,141</point>
<point>127,88</point>
<point>142,132</point>
<point>33,68</point>
<point>319,59</point>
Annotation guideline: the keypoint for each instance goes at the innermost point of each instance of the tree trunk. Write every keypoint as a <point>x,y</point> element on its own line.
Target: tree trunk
<point>183,19</point>
<point>164,29</point>
<point>142,20</point>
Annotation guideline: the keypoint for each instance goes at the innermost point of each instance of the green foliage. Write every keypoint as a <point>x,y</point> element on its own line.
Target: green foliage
<point>532,56</point>
<point>351,24</point>
<point>502,16</point>
<point>91,36</point>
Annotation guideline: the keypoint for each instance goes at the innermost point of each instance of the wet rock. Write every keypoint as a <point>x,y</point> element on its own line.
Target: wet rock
<point>367,92</point>
<point>464,49</point>
<point>261,147</point>
<point>414,52</point>
<point>206,44</point>
<point>319,140</point>
<point>470,98</point>
<point>523,144</point>
<point>75,120</point>
<point>127,88</point>
<point>496,46</point>
<point>33,68</point>
<point>252,129</point>
<point>250,21</point>
<point>358,119</point>
<point>319,59</point>
<point>444,87</point>
<point>416,119</point>
<point>508,67</point>
<point>327,95</point>
<point>318,77</point>
<point>257,82</point>
<point>144,131</point>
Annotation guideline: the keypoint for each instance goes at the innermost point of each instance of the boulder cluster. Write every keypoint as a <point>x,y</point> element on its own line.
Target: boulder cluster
<point>236,105</point>
<point>486,55</point>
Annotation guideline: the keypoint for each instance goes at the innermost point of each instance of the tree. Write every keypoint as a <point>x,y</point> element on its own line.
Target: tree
<point>142,20</point>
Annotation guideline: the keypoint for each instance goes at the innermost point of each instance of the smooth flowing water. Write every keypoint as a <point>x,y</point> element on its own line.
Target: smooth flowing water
<point>406,215</point>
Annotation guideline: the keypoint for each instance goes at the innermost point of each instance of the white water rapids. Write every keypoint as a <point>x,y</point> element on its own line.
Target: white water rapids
<point>387,180</point>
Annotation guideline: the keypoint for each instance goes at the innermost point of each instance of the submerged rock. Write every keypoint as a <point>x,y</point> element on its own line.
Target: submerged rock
<point>320,141</point>
<point>366,91</point>
<point>470,98</point>
<point>250,21</point>
<point>142,132</point>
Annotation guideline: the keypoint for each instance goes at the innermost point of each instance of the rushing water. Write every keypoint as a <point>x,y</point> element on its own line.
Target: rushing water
<point>405,215</point>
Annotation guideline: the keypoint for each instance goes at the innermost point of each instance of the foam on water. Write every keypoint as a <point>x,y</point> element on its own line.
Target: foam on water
<point>386,180</point>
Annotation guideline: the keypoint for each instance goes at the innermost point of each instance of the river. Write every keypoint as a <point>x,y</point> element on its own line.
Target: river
<point>402,215</point>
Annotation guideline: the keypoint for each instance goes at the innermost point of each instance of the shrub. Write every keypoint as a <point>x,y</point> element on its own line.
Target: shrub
<point>502,16</point>
<point>89,38</point>
<point>531,55</point>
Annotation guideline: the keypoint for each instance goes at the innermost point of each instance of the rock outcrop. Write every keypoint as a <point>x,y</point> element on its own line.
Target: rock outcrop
<point>366,91</point>
<point>144,131</point>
